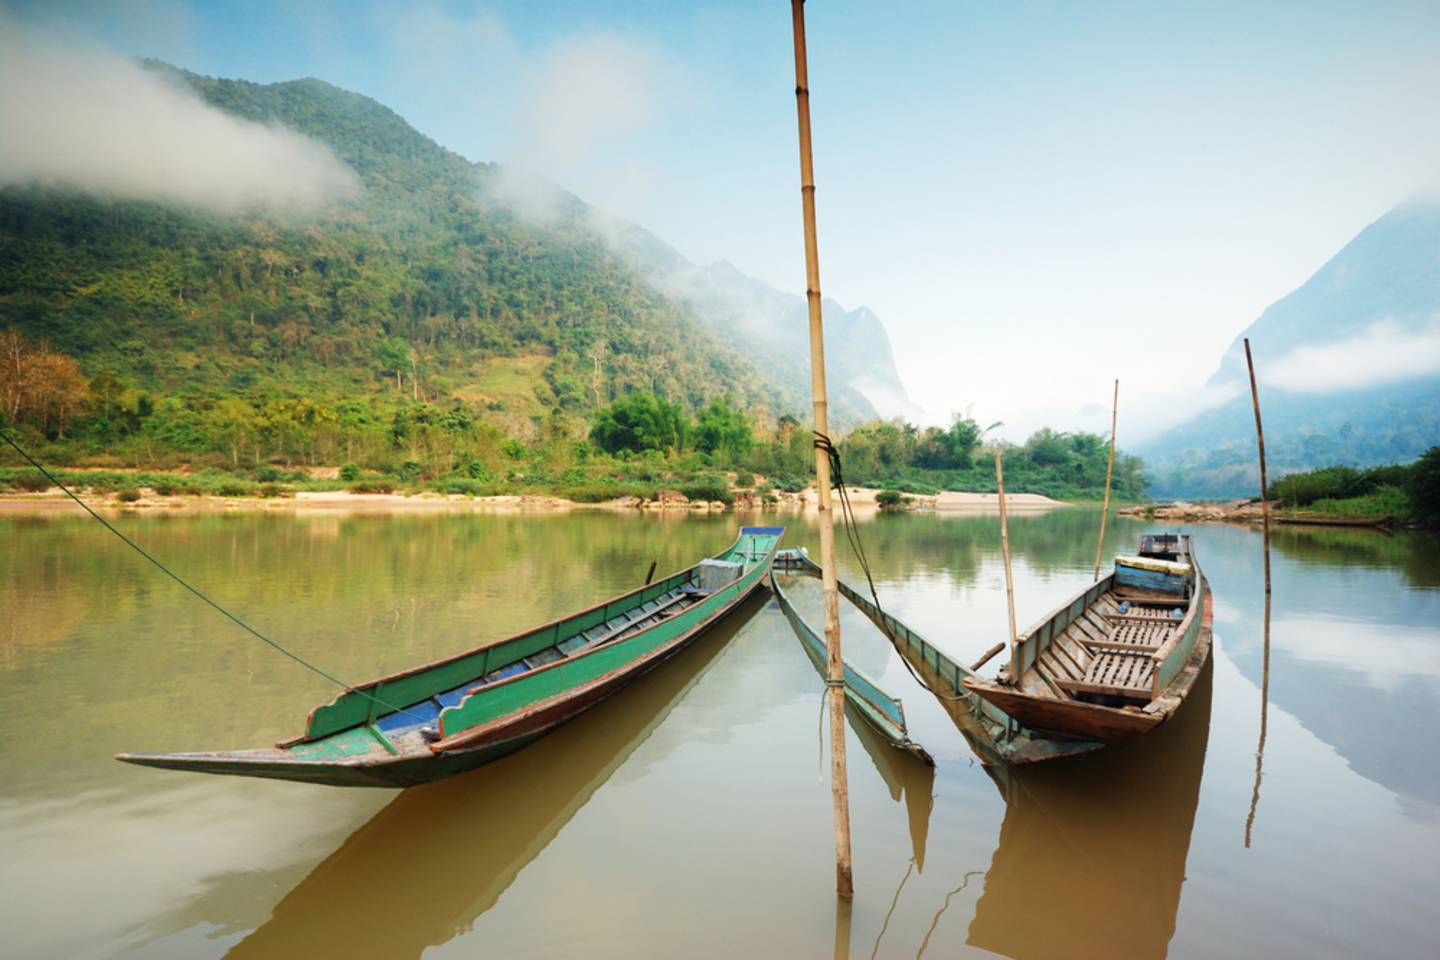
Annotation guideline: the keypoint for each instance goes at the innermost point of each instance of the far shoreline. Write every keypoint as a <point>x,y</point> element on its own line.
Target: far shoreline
<point>53,502</point>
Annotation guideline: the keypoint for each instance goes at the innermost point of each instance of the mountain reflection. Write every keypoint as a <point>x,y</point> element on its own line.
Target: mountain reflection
<point>1345,630</point>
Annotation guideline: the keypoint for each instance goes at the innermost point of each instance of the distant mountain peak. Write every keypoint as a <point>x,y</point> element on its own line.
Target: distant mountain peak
<point>1348,365</point>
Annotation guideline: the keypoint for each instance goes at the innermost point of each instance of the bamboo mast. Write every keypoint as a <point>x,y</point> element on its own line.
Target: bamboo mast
<point>1260,442</point>
<point>1265,539</point>
<point>1009,577</point>
<point>834,676</point>
<point>1109,471</point>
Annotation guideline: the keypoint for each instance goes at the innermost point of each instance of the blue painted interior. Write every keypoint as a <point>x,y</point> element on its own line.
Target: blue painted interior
<point>1149,580</point>
<point>411,716</point>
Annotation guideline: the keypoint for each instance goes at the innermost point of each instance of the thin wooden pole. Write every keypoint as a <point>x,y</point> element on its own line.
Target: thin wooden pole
<point>834,675</point>
<point>1009,577</point>
<point>1264,484</point>
<point>1109,471</point>
<point>1265,541</point>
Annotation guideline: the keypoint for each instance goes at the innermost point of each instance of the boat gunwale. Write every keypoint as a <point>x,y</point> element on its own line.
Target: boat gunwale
<point>445,661</point>
<point>893,728</point>
<point>1030,631</point>
<point>1173,695</point>
<point>457,742</point>
<point>758,572</point>
<point>1021,639</point>
<point>1157,711</point>
<point>1192,605</point>
<point>1196,606</point>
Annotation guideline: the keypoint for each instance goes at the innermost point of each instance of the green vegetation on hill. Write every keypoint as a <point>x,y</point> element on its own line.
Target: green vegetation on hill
<point>420,291</point>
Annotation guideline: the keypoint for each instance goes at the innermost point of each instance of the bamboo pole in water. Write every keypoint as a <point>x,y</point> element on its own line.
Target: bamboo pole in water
<point>834,676</point>
<point>843,909</point>
<point>1265,540</point>
<point>1264,711</point>
<point>1260,442</point>
<point>1109,472</point>
<point>1009,578</point>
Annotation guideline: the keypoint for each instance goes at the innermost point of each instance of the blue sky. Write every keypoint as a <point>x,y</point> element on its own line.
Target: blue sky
<point>1022,191</point>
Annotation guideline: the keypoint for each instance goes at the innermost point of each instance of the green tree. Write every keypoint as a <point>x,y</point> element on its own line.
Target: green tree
<point>1423,488</point>
<point>394,355</point>
<point>234,423</point>
<point>638,422</point>
<point>723,429</point>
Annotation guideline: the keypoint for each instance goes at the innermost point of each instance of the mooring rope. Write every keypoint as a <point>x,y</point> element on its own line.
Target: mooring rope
<point>852,534</point>
<point>178,579</point>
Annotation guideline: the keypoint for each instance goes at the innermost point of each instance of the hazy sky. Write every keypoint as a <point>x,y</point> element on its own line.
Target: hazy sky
<point>1026,193</point>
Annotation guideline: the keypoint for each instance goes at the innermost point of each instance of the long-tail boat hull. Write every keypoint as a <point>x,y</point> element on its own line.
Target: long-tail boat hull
<point>994,735</point>
<point>462,712</point>
<point>1116,660</point>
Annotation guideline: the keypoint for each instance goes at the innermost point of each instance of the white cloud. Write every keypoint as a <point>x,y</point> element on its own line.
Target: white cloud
<point>84,117</point>
<point>1383,353</point>
<point>592,88</point>
<point>1387,659</point>
<point>585,93</point>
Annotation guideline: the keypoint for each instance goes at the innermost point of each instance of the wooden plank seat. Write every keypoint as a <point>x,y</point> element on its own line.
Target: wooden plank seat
<point>1137,636</point>
<point>1157,598</point>
<point>1117,674</point>
<point>1143,614</point>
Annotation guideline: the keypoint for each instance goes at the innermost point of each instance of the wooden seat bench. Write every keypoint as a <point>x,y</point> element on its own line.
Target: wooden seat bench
<point>1117,674</point>
<point>1143,614</point>
<point>1136,636</point>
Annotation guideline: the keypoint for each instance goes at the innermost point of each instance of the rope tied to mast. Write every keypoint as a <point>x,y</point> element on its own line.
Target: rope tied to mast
<point>349,688</point>
<point>852,534</point>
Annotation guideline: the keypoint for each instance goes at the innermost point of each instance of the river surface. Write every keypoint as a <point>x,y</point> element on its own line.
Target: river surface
<point>688,817</point>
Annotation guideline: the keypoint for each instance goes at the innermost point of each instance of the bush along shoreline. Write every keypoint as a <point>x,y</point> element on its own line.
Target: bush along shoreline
<point>1406,495</point>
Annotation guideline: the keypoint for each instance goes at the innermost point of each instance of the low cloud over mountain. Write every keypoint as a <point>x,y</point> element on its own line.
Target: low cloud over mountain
<point>85,118</point>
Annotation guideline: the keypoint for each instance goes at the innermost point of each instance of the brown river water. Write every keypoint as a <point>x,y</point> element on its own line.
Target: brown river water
<point>688,817</point>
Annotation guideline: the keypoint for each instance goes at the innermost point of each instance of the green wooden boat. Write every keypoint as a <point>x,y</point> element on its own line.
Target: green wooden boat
<point>467,710</point>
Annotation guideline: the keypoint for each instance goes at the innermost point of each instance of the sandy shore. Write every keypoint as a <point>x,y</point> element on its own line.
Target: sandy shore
<point>54,502</point>
<point>343,501</point>
<point>1180,511</point>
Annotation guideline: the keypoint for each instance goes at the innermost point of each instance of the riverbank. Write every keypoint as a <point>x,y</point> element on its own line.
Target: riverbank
<point>53,501</point>
<point>1249,512</point>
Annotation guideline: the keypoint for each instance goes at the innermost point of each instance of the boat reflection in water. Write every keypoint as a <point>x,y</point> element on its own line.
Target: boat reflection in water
<point>906,776</point>
<point>417,874</point>
<point>1092,850</point>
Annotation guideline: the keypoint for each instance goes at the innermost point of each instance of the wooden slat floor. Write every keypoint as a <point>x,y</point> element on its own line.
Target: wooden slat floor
<point>1116,673</point>
<point>1109,651</point>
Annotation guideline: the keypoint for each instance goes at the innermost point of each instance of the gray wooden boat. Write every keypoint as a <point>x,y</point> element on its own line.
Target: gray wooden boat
<point>1118,658</point>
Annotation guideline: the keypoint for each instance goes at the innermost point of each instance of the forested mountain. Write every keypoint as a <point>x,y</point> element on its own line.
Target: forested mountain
<point>773,328</point>
<point>859,362</point>
<point>422,288</point>
<point>1349,370</point>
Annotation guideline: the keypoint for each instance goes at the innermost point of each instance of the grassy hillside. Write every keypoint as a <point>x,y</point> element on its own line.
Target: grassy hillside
<point>421,290</point>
